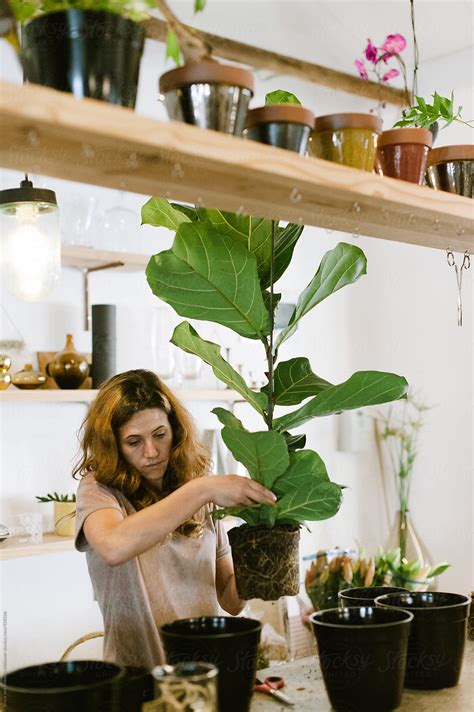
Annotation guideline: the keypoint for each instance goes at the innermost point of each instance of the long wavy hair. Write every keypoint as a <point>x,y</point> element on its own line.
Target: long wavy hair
<point>117,401</point>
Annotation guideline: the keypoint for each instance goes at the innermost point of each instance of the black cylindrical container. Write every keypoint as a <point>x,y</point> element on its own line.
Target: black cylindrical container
<point>229,643</point>
<point>74,686</point>
<point>104,360</point>
<point>366,595</point>
<point>86,52</point>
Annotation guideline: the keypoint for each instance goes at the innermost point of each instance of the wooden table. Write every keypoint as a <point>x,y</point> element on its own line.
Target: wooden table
<point>304,685</point>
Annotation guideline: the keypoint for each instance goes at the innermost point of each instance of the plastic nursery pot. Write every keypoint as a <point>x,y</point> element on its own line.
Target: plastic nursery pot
<point>402,153</point>
<point>208,95</point>
<point>86,52</point>
<point>350,139</point>
<point>366,595</point>
<point>229,643</point>
<point>266,561</point>
<point>362,656</point>
<point>281,125</point>
<point>451,168</point>
<point>73,686</point>
<point>436,644</point>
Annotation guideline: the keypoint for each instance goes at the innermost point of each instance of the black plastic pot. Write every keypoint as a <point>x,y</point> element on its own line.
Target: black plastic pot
<point>366,595</point>
<point>88,53</point>
<point>229,643</point>
<point>362,653</point>
<point>74,686</point>
<point>438,632</point>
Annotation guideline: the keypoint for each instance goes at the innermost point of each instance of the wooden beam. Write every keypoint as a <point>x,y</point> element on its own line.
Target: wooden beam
<point>51,133</point>
<point>281,64</point>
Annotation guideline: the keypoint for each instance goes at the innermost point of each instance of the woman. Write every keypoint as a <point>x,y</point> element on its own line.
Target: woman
<point>144,502</point>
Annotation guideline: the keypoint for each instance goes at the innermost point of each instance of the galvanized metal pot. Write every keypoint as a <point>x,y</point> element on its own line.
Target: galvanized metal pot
<point>282,125</point>
<point>209,95</point>
<point>451,168</point>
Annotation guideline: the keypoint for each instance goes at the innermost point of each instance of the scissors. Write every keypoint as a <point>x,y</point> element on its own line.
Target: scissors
<point>271,686</point>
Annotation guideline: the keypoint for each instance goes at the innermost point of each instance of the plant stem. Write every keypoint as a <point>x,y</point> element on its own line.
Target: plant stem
<point>269,348</point>
<point>194,49</point>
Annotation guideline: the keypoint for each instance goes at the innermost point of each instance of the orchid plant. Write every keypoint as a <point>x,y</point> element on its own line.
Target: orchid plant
<point>378,59</point>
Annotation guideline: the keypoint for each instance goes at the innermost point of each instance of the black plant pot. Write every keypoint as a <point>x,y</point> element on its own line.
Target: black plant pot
<point>229,643</point>
<point>88,53</point>
<point>366,595</point>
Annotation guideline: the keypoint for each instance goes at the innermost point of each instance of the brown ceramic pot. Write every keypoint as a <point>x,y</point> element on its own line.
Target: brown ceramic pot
<point>281,125</point>
<point>350,139</point>
<point>402,153</point>
<point>451,168</point>
<point>68,368</point>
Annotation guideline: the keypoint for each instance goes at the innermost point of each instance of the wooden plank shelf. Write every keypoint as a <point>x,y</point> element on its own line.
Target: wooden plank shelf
<point>54,134</point>
<point>80,395</point>
<point>89,258</point>
<point>13,548</point>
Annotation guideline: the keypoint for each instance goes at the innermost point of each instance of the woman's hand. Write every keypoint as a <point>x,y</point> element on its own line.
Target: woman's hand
<point>235,491</point>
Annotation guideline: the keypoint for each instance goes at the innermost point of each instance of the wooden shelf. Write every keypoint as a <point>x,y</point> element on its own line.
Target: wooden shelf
<point>12,548</point>
<point>42,395</point>
<point>54,134</point>
<point>89,258</point>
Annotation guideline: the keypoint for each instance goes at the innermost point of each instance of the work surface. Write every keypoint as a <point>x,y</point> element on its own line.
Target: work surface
<point>304,685</point>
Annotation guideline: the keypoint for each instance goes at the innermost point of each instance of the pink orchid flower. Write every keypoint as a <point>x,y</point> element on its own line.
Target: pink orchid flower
<point>391,74</point>
<point>360,66</point>
<point>394,44</point>
<point>371,52</point>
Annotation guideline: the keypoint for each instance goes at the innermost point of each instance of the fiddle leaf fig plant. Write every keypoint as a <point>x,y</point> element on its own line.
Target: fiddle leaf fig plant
<point>222,268</point>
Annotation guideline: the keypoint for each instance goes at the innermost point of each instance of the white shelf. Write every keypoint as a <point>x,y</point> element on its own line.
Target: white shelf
<point>13,548</point>
<point>42,395</point>
<point>89,258</point>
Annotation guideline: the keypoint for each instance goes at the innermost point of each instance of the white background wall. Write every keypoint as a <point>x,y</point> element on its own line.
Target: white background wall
<point>401,317</point>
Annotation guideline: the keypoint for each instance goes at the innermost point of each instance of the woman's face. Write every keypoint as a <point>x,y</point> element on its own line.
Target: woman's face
<point>145,442</point>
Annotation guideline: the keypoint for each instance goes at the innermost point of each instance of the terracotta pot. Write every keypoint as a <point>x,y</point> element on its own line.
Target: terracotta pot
<point>402,153</point>
<point>68,367</point>
<point>350,139</point>
<point>451,168</point>
<point>281,125</point>
<point>64,518</point>
<point>209,95</point>
<point>266,561</point>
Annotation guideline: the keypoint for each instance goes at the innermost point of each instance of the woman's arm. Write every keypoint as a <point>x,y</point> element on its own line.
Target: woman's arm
<point>118,539</point>
<point>225,585</point>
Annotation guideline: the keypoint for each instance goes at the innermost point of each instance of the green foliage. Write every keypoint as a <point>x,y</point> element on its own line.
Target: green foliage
<point>199,5</point>
<point>422,115</point>
<point>219,269</point>
<point>173,50</point>
<point>133,10</point>
<point>55,497</point>
<point>281,97</point>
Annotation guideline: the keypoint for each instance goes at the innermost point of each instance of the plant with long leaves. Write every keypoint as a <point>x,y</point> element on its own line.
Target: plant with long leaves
<point>222,268</point>
<point>424,115</point>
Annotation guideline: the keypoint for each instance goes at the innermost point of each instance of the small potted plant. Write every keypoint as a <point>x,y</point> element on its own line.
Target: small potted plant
<point>64,512</point>
<point>202,92</point>
<point>222,268</point>
<point>91,49</point>
<point>282,122</point>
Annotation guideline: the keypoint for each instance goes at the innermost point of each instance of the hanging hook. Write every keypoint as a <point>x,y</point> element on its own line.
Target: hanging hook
<point>466,263</point>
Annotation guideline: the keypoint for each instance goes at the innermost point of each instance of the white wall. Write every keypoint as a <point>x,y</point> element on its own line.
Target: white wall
<point>401,317</point>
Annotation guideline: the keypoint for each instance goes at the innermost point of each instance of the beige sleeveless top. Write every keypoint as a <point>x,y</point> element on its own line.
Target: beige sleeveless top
<point>169,581</point>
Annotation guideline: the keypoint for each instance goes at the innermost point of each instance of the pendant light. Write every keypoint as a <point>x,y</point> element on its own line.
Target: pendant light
<point>30,246</point>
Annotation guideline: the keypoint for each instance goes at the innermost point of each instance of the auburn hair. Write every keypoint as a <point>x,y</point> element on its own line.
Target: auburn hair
<point>117,401</point>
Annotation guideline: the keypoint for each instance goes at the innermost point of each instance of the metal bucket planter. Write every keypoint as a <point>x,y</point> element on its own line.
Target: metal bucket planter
<point>86,52</point>
<point>403,153</point>
<point>266,561</point>
<point>451,168</point>
<point>209,95</point>
<point>281,125</point>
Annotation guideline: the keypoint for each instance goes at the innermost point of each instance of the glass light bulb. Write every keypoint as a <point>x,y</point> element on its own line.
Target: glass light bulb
<point>30,249</point>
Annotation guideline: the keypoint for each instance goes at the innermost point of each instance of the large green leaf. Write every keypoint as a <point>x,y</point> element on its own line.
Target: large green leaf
<point>160,213</point>
<point>314,500</point>
<point>304,465</point>
<point>228,418</point>
<point>259,514</point>
<point>189,340</point>
<point>294,381</point>
<point>263,454</point>
<point>339,267</point>
<point>209,276</point>
<point>285,242</point>
<point>361,389</point>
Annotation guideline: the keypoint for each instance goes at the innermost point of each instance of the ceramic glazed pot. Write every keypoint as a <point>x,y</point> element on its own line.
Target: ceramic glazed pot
<point>451,168</point>
<point>28,379</point>
<point>266,561</point>
<point>64,518</point>
<point>229,643</point>
<point>209,95</point>
<point>402,153</point>
<point>68,367</point>
<point>350,139</point>
<point>365,595</point>
<point>88,53</point>
<point>362,656</point>
<point>437,635</point>
<point>281,125</point>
